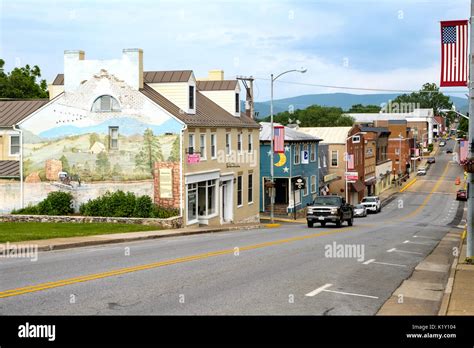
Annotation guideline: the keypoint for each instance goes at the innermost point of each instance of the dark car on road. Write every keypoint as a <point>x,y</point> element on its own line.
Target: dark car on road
<point>431,160</point>
<point>461,195</point>
<point>332,209</point>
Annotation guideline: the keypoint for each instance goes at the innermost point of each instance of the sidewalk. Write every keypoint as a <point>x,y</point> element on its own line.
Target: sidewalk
<point>459,297</point>
<point>75,242</point>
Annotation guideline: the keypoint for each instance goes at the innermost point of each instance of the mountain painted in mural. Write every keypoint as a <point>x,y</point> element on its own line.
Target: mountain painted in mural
<point>127,126</point>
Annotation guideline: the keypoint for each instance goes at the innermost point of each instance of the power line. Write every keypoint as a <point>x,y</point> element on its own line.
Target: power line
<point>359,88</point>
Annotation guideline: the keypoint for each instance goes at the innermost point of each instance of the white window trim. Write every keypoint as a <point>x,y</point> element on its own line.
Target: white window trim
<point>194,142</point>
<point>297,151</point>
<point>306,189</point>
<point>315,184</point>
<point>214,136</point>
<point>203,156</point>
<point>337,158</point>
<point>250,144</point>
<point>196,220</point>
<point>216,212</point>
<point>230,144</point>
<point>10,146</point>
<point>241,138</point>
<point>242,190</point>
<point>248,188</point>
<point>313,153</point>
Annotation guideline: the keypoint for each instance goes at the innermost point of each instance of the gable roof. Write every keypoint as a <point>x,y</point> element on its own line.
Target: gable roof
<point>218,85</point>
<point>208,113</point>
<point>290,133</point>
<point>14,110</point>
<point>150,76</point>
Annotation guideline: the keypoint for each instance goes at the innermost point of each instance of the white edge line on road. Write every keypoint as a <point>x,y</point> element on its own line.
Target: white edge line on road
<point>427,238</point>
<point>407,241</point>
<point>318,290</point>
<point>390,264</point>
<point>408,252</point>
<point>349,293</point>
<point>390,250</point>
<point>368,261</point>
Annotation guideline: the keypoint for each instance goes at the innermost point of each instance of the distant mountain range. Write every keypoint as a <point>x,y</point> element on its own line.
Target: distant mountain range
<point>127,126</point>
<point>342,100</point>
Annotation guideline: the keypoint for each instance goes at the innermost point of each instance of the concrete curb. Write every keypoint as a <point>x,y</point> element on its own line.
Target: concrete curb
<point>93,242</point>
<point>443,310</point>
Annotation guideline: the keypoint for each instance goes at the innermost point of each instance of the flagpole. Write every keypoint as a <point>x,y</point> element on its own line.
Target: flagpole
<point>470,198</point>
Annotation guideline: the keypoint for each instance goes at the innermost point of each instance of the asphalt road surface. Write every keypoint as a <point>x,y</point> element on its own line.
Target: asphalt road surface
<point>284,270</point>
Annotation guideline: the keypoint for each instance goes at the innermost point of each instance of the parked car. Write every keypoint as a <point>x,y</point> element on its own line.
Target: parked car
<point>372,203</point>
<point>461,195</point>
<point>431,160</point>
<point>360,210</point>
<point>332,209</point>
<point>421,171</point>
<point>449,151</point>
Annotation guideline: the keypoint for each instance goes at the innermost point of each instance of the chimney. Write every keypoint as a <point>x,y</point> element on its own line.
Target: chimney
<point>133,58</point>
<point>216,75</point>
<point>71,71</point>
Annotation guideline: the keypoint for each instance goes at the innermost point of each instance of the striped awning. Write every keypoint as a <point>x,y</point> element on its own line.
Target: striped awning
<point>9,169</point>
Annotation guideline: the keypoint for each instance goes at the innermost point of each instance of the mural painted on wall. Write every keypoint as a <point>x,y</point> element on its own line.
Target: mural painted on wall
<point>75,137</point>
<point>87,144</point>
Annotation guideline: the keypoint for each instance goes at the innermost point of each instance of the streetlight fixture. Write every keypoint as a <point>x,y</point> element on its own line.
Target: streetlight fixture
<point>272,136</point>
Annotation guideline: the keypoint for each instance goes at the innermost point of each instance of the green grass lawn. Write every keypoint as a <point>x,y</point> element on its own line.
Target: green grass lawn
<point>21,231</point>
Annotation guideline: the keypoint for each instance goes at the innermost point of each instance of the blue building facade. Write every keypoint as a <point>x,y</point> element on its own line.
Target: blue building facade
<point>299,161</point>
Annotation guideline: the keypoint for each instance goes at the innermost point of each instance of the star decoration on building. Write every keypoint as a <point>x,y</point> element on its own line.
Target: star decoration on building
<point>269,152</point>
<point>287,148</point>
<point>286,169</point>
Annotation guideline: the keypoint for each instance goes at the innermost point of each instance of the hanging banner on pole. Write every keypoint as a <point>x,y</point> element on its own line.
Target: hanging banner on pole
<point>454,53</point>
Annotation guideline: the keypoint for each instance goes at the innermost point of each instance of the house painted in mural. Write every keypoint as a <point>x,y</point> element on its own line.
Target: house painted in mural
<point>299,161</point>
<point>109,125</point>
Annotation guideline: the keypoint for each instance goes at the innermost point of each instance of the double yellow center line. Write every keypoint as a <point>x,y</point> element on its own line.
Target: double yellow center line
<point>75,280</point>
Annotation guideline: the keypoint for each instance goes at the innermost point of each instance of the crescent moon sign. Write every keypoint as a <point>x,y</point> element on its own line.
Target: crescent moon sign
<point>281,161</point>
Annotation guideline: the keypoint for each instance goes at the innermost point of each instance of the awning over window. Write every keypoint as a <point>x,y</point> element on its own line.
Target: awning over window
<point>358,186</point>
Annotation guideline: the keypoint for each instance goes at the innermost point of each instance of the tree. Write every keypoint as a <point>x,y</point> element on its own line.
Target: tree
<point>93,138</point>
<point>315,116</point>
<point>65,163</point>
<point>359,108</point>
<point>174,155</point>
<point>102,163</point>
<point>429,97</point>
<point>23,82</point>
<point>149,153</point>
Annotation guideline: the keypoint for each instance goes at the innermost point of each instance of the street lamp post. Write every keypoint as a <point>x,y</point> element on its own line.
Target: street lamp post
<point>272,136</point>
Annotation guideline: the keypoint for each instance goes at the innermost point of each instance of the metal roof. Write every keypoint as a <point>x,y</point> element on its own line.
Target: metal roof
<point>374,129</point>
<point>150,76</point>
<point>9,169</point>
<point>208,113</point>
<point>290,133</point>
<point>329,135</point>
<point>218,85</point>
<point>15,110</point>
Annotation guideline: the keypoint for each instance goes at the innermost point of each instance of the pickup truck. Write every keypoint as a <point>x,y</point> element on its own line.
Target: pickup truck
<point>372,203</point>
<point>332,209</point>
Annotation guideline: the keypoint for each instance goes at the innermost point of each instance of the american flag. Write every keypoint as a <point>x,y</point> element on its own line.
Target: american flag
<point>454,55</point>
<point>350,161</point>
<point>279,139</point>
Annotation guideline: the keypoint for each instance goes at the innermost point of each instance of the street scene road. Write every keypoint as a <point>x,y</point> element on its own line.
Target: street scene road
<point>283,270</point>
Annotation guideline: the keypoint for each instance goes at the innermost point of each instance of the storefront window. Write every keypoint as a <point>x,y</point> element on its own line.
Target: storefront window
<point>192,202</point>
<point>206,197</point>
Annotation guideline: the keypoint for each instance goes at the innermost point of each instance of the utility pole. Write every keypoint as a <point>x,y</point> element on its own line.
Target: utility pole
<point>248,84</point>
<point>470,198</point>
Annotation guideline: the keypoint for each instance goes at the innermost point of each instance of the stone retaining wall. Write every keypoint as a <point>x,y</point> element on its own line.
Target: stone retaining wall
<point>173,222</point>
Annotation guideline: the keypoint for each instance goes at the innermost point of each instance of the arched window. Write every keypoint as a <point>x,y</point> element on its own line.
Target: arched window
<point>105,103</point>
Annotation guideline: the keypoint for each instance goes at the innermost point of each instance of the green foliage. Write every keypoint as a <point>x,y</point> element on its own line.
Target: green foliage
<point>22,83</point>
<point>174,155</point>
<point>315,116</point>
<point>359,108</point>
<point>93,137</point>
<point>120,204</point>
<point>430,147</point>
<point>429,96</point>
<point>463,125</point>
<point>103,164</point>
<point>65,163</point>
<point>56,203</point>
<point>149,153</point>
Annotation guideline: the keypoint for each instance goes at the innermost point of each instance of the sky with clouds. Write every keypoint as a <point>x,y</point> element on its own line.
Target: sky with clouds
<point>386,44</point>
